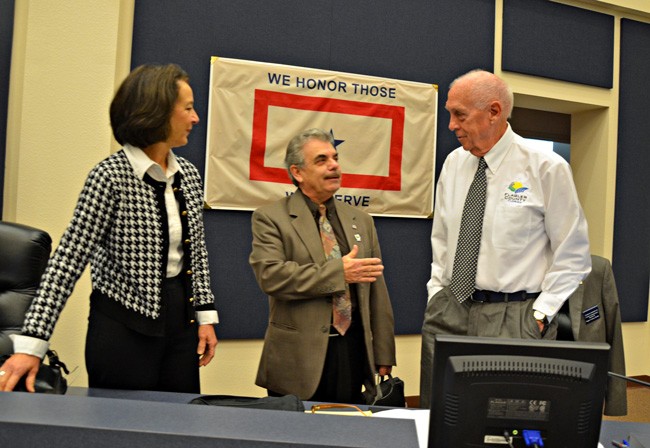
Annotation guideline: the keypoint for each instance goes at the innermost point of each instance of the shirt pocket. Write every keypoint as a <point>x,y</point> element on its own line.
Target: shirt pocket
<point>511,228</point>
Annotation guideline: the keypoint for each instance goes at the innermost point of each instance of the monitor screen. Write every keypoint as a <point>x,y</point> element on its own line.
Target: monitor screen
<point>516,392</point>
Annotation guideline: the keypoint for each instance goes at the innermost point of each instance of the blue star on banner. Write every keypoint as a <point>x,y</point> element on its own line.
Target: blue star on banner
<point>336,142</point>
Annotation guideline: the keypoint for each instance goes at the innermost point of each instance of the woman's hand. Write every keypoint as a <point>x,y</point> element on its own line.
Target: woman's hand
<point>17,366</point>
<point>207,344</point>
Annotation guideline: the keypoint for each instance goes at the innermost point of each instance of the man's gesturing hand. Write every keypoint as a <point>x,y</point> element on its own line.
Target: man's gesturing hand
<point>361,270</point>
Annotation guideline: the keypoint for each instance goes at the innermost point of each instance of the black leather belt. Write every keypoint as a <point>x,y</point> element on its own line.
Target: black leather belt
<point>481,296</point>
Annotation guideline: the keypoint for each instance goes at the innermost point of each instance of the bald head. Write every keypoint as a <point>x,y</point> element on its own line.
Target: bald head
<point>479,104</point>
<point>485,87</point>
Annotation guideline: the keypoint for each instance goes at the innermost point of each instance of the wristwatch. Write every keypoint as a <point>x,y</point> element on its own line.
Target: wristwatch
<point>538,315</point>
<point>541,317</point>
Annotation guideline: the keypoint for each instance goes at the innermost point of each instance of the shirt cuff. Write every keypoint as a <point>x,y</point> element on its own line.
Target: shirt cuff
<point>29,345</point>
<point>548,304</point>
<point>433,290</point>
<point>207,317</point>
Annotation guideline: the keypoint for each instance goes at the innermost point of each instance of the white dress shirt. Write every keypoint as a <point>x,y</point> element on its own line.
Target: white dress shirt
<point>534,230</point>
<point>142,165</point>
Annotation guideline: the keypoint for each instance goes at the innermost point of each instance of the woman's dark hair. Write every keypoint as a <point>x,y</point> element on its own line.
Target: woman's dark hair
<point>142,106</point>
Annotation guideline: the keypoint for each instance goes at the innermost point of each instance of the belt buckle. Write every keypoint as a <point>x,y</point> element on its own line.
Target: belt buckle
<point>476,300</point>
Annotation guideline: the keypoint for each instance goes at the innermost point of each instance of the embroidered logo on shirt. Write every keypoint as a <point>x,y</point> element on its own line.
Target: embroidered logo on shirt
<point>517,187</point>
<point>516,196</point>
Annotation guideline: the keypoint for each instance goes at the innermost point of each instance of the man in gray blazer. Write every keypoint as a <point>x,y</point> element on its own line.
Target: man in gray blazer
<point>303,353</point>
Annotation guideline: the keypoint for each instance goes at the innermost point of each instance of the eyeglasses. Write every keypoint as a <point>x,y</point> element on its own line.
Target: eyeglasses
<point>322,407</point>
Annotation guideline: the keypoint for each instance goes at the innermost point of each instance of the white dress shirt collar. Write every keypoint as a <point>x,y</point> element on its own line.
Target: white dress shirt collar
<point>142,164</point>
<point>500,150</point>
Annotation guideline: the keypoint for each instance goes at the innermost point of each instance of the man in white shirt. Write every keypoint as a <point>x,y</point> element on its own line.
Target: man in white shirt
<point>534,247</point>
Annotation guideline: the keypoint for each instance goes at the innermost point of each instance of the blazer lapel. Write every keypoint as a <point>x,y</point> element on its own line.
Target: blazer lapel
<point>356,236</point>
<point>349,224</point>
<point>305,227</point>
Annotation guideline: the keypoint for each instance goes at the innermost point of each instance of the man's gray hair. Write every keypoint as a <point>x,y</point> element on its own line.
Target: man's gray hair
<point>295,155</point>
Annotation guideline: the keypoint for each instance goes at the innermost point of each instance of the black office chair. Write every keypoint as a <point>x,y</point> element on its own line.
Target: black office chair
<point>24,252</point>
<point>564,330</point>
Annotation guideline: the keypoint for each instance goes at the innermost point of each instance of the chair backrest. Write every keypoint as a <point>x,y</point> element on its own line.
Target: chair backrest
<point>564,328</point>
<point>592,314</point>
<point>24,252</point>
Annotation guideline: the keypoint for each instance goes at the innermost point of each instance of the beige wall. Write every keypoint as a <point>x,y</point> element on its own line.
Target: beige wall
<point>67,60</point>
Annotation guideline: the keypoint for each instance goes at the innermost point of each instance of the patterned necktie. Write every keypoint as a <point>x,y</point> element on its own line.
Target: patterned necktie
<point>341,304</point>
<point>463,276</point>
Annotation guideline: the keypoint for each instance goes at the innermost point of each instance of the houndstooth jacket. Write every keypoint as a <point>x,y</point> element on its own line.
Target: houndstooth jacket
<point>117,227</point>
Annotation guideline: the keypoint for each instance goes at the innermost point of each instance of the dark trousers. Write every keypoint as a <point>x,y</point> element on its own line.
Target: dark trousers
<point>345,368</point>
<point>118,357</point>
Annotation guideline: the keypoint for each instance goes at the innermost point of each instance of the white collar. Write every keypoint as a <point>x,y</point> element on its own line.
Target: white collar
<point>495,156</point>
<point>142,164</point>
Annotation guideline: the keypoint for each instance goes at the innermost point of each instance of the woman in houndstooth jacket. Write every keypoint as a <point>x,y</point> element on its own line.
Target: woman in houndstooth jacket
<point>139,223</point>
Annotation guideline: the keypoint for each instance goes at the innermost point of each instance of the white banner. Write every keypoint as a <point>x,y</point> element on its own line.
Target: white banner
<point>384,132</point>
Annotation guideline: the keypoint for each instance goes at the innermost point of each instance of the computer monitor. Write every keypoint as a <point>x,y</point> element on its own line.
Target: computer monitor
<point>516,392</point>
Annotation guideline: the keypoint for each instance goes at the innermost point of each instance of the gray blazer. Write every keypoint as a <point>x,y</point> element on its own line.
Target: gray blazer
<point>290,266</point>
<point>598,291</point>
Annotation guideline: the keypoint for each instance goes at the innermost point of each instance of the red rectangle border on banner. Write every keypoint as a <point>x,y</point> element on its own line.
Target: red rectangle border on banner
<point>265,99</point>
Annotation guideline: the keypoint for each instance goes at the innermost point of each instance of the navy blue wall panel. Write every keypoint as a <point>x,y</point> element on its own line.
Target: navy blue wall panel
<point>417,40</point>
<point>548,39</point>
<point>6,38</point>
<point>631,257</point>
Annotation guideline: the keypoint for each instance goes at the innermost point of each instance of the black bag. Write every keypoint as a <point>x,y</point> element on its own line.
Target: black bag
<point>390,392</point>
<point>284,403</point>
<point>49,379</point>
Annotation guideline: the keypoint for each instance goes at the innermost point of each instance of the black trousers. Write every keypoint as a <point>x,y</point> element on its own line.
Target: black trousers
<point>118,357</point>
<point>345,368</point>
